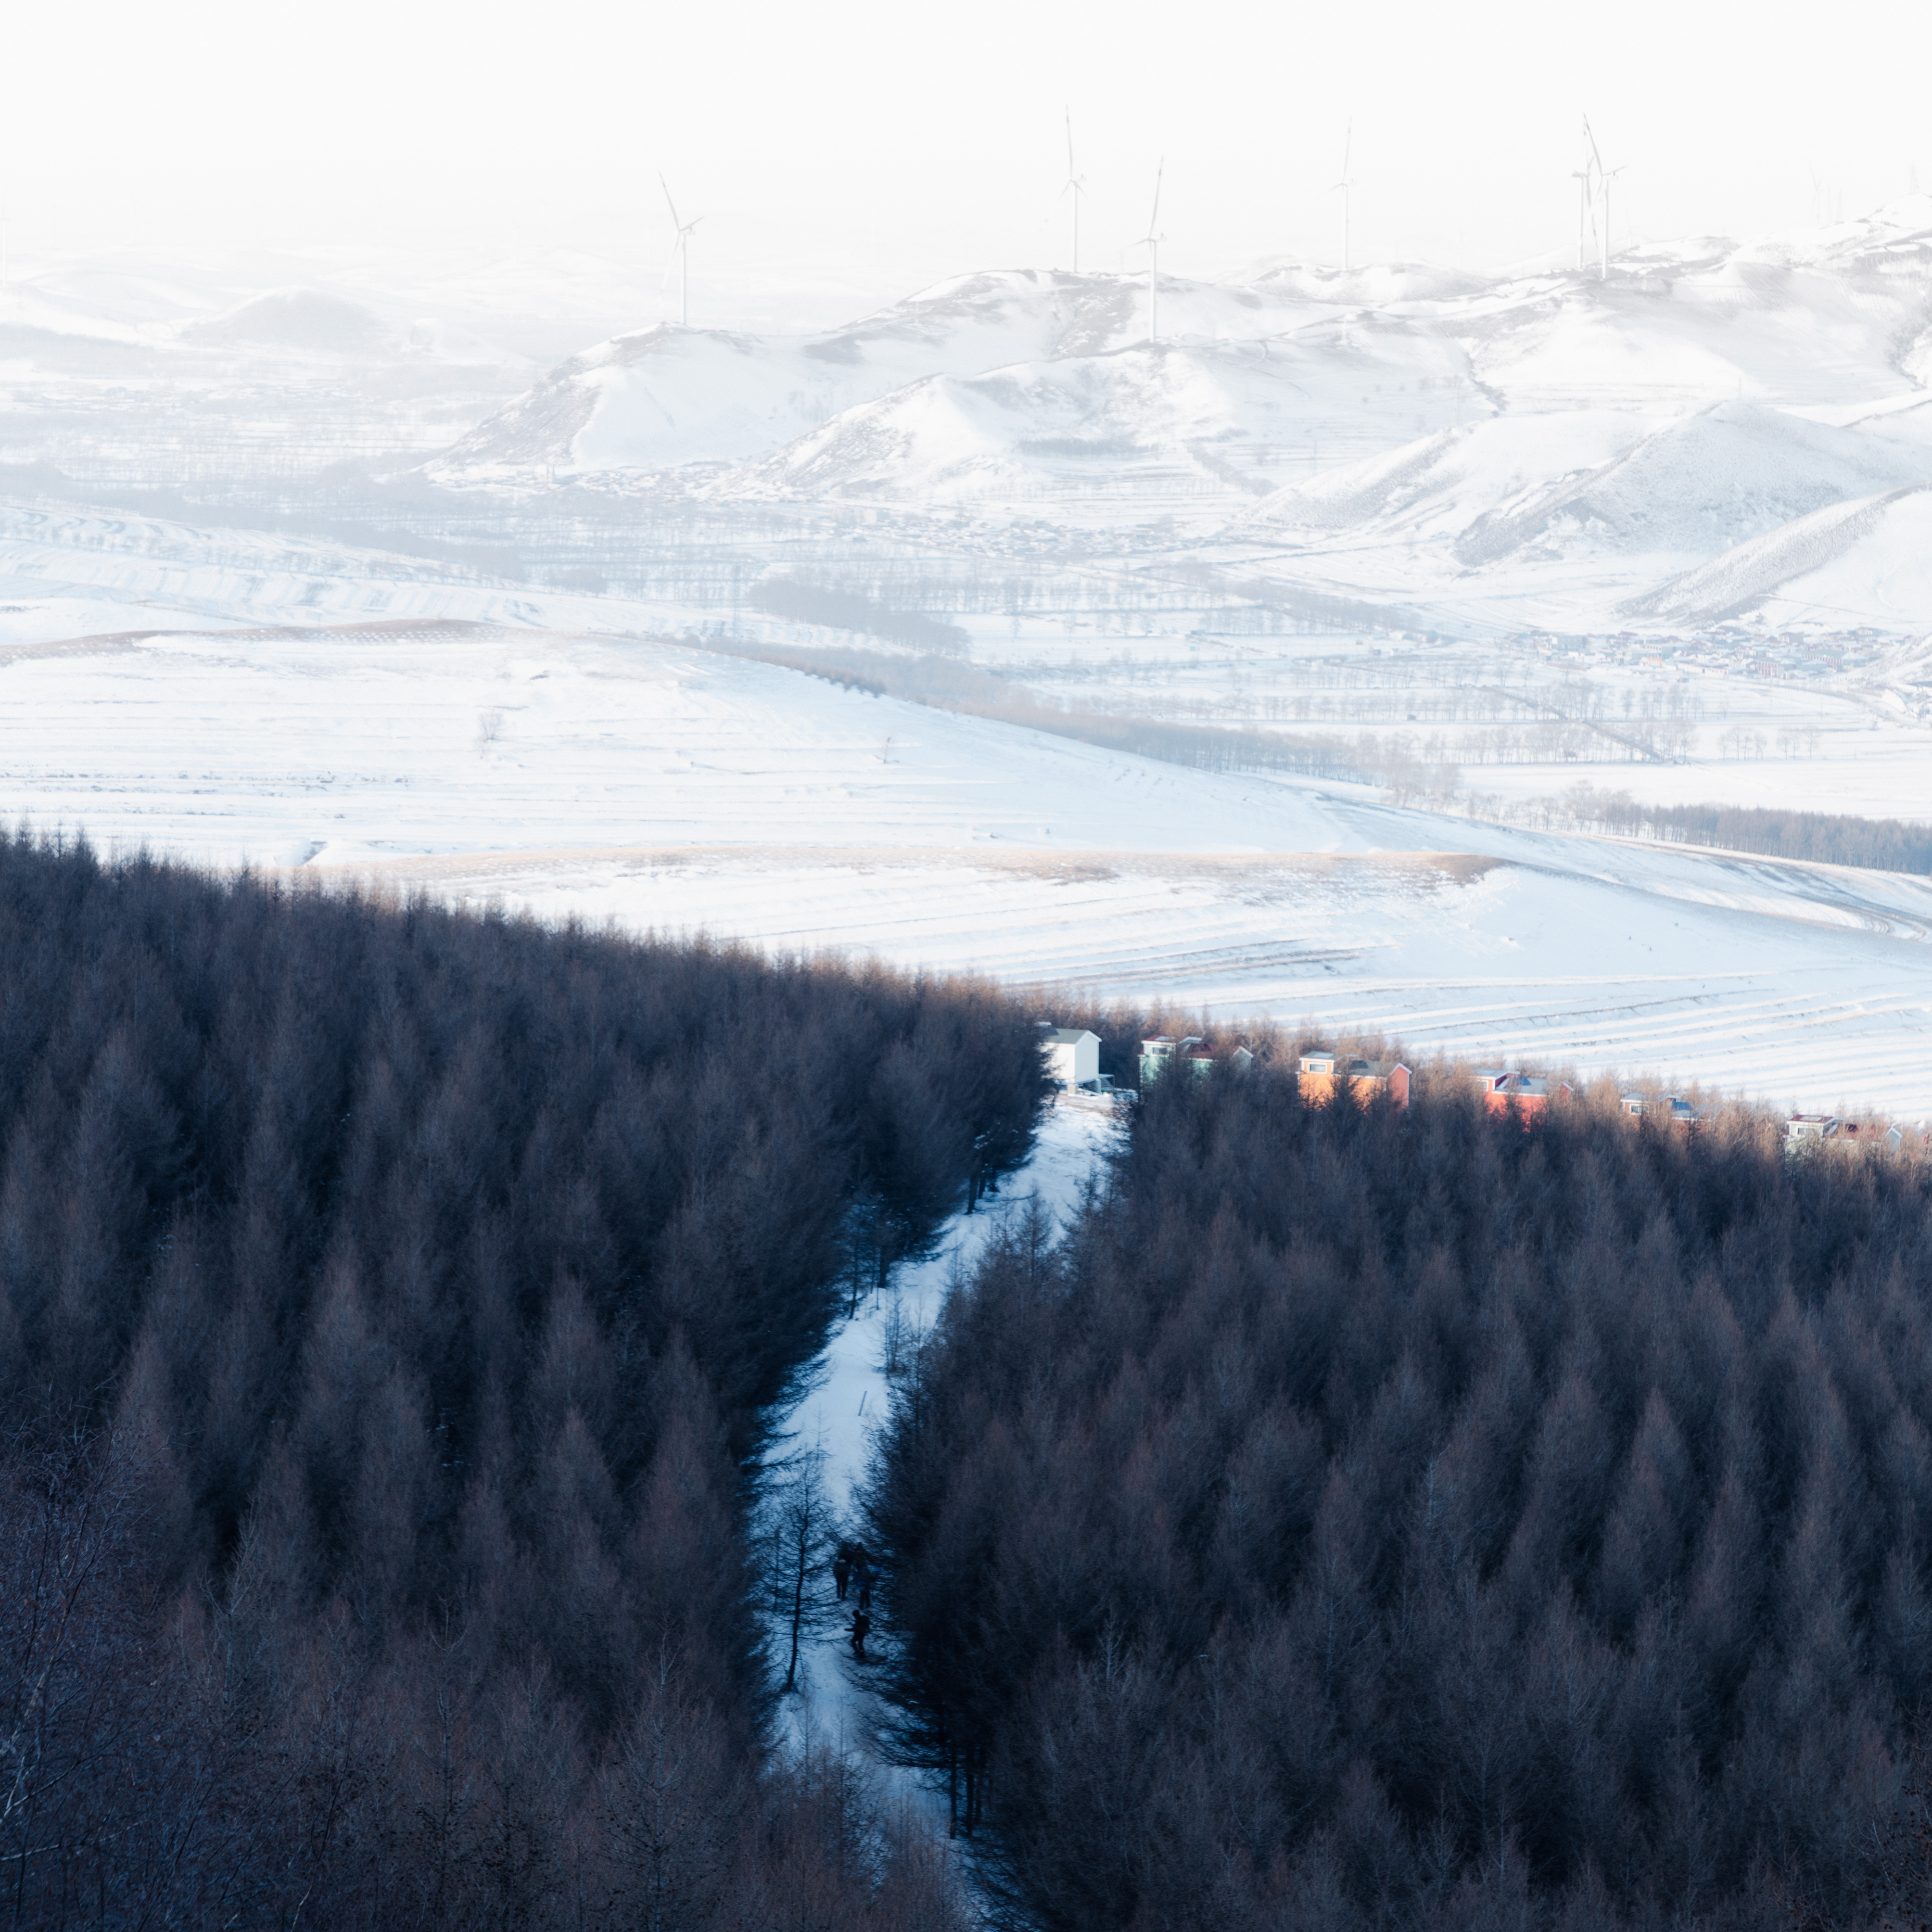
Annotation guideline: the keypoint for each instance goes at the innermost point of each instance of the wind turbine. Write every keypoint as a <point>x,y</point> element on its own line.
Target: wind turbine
<point>1604,177</point>
<point>1342,186</point>
<point>1151,240</point>
<point>1585,178</point>
<point>683,246</point>
<point>1076,186</point>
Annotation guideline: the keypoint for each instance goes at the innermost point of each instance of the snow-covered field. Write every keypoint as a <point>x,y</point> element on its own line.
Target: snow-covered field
<point>408,581</point>
<point>664,786</point>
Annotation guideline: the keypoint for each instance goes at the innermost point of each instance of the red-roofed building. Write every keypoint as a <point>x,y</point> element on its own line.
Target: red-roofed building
<point>1529,1094</point>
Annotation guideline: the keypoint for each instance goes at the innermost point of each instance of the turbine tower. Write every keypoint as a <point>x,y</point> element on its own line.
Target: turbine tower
<point>1076,186</point>
<point>1151,240</point>
<point>1342,187</point>
<point>1585,178</point>
<point>683,247</point>
<point>1609,176</point>
<point>1604,177</point>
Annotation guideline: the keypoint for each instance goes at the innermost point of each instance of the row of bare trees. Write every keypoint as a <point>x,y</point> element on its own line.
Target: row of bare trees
<point>1832,837</point>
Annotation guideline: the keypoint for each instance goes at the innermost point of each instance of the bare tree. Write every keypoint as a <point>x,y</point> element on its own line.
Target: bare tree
<point>800,1534</point>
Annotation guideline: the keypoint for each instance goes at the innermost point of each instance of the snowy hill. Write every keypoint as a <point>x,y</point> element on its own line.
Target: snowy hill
<point>668,396</point>
<point>1578,442</point>
<point>1440,485</point>
<point>1830,319</point>
<point>1202,418</point>
<point>309,320</point>
<point>1871,559</point>
<point>1701,485</point>
<point>1583,482</point>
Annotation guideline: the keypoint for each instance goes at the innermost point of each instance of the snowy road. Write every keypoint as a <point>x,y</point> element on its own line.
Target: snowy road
<point>851,1393</point>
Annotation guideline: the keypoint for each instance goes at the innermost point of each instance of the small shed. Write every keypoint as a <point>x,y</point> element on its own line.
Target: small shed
<point>1072,1056</point>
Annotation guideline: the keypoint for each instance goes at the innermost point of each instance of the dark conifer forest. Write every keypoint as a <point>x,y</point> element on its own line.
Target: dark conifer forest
<point>1416,1520</point>
<point>1368,1519</point>
<point>392,1307</point>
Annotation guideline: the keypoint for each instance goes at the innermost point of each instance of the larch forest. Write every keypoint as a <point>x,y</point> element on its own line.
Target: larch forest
<point>1357,1517</point>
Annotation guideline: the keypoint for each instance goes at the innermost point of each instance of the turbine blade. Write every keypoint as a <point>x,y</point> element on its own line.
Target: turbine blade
<point>668,202</point>
<point>1348,147</point>
<point>1154,219</point>
<point>1069,144</point>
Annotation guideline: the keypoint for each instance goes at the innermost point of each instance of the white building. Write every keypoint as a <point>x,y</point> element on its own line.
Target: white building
<point>1072,1055</point>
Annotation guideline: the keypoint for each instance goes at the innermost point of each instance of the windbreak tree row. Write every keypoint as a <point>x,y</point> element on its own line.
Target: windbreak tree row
<point>1408,1520</point>
<point>391,1302</point>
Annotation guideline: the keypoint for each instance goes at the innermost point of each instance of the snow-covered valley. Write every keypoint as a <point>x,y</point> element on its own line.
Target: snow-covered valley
<point>665,786</point>
<point>402,587</point>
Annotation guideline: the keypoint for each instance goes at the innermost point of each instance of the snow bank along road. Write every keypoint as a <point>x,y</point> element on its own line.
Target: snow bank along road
<point>665,787</point>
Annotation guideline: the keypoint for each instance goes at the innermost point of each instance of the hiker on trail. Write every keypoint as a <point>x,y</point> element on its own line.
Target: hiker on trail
<point>862,1574</point>
<point>861,1624</point>
<point>841,1569</point>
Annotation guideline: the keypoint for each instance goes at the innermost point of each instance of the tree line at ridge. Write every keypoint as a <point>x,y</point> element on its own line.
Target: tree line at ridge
<point>393,1307</point>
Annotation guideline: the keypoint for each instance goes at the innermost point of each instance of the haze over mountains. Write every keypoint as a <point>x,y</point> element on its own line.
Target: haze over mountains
<point>301,567</point>
<point>1567,449</point>
<point>1564,443</point>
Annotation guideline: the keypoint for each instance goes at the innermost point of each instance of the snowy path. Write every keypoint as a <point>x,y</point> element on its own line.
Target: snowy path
<point>851,1393</point>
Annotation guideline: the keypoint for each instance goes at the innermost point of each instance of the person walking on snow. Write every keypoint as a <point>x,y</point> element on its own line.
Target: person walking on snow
<point>862,1574</point>
<point>861,1624</point>
<point>841,1569</point>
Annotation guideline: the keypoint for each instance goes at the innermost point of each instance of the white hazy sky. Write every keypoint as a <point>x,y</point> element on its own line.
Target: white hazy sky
<point>876,145</point>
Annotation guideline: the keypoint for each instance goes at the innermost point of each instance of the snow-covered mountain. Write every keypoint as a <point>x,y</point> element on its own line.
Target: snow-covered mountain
<point>669,397</point>
<point>1219,420</point>
<point>1563,484</point>
<point>1562,433</point>
<point>1557,447</point>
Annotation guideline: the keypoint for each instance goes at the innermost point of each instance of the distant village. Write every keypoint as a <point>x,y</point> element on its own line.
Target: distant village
<point>1736,650</point>
<point>1324,1075</point>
